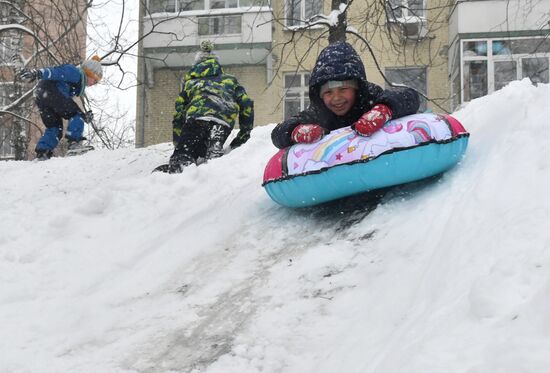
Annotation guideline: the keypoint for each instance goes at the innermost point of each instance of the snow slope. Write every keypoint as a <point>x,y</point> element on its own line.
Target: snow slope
<point>107,268</point>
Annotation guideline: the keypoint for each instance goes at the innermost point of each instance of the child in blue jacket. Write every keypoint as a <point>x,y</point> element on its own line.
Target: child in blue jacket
<point>54,97</point>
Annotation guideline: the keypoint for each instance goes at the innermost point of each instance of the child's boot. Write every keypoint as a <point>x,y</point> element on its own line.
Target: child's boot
<point>218,135</point>
<point>77,147</point>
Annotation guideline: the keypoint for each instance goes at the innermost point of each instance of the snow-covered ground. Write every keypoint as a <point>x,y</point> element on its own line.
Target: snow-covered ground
<point>105,267</point>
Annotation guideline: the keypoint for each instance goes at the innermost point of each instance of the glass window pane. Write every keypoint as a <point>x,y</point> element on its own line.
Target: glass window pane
<point>411,77</point>
<point>475,48</point>
<point>162,6</point>
<point>536,69</point>
<point>5,50</point>
<point>216,26</point>
<point>505,72</point>
<point>217,4</point>
<point>313,7</point>
<point>6,138</point>
<point>208,25</point>
<point>170,6</point>
<point>232,25</point>
<point>530,46</point>
<point>416,8</point>
<point>185,5</point>
<point>249,3</point>
<point>4,95</point>
<point>293,11</point>
<point>7,93</point>
<point>475,79</point>
<point>296,90</point>
<point>292,107</point>
<point>219,25</point>
<point>394,9</point>
<point>501,47</point>
<point>292,81</point>
<point>204,27</point>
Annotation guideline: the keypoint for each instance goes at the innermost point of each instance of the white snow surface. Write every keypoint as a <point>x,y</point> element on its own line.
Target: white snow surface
<point>105,267</point>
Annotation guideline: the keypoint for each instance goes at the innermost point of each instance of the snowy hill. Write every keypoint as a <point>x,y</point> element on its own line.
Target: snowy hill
<point>106,267</point>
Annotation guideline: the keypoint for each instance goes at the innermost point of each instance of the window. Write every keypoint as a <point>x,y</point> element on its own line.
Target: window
<point>173,6</point>
<point>299,10</point>
<point>9,12</point>
<point>490,64</point>
<point>475,48</point>
<point>6,148</point>
<point>162,6</point>
<point>220,25</point>
<point>505,72</point>
<point>403,9</point>
<point>475,79</point>
<point>6,94</point>
<point>11,43</point>
<point>185,5</point>
<point>296,93</point>
<point>536,69</point>
<point>249,3</point>
<point>413,77</point>
<point>221,4</point>
<point>8,49</point>
<point>530,46</point>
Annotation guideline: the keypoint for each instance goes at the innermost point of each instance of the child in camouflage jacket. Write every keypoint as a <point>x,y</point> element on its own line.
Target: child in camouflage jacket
<point>206,111</point>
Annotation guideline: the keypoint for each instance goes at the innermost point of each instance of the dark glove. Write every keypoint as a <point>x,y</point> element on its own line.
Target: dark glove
<point>307,133</point>
<point>88,116</point>
<point>372,120</point>
<point>240,139</point>
<point>29,75</point>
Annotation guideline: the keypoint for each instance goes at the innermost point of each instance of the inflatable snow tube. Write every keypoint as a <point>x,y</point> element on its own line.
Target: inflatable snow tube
<point>342,163</point>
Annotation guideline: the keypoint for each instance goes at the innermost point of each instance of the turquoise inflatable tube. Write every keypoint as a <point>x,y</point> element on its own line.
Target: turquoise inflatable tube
<point>402,163</point>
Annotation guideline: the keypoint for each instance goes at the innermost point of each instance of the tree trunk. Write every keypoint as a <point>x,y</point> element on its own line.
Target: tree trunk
<point>338,32</point>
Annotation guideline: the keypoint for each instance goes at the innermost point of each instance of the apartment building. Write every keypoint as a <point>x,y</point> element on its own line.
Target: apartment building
<point>495,42</point>
<point>259,42</point>
<point>423,44</point>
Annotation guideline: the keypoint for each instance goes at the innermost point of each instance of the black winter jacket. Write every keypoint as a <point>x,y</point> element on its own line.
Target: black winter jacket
<point>339,61</point>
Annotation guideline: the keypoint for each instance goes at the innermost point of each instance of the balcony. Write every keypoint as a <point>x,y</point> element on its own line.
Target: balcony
<point>497,16</point>
<point>242,36</point>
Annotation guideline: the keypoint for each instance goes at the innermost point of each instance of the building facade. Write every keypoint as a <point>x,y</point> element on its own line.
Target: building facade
<point>261,44</point>
<point>419,43</point>
<point>496,42</point>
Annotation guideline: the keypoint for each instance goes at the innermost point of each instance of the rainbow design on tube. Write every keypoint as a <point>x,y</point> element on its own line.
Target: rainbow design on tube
<point>420,130</point>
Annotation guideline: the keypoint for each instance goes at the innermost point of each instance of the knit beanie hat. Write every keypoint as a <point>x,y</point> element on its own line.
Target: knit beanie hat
<point>92,68</point>
<point>351,83</point>
<point>206,52</point>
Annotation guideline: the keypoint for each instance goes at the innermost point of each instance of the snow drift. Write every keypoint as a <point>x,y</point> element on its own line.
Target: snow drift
<point>106,267</point>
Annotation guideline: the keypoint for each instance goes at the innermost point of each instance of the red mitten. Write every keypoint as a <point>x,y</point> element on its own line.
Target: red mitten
<point>307,133</point>
<point>372,120</point>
